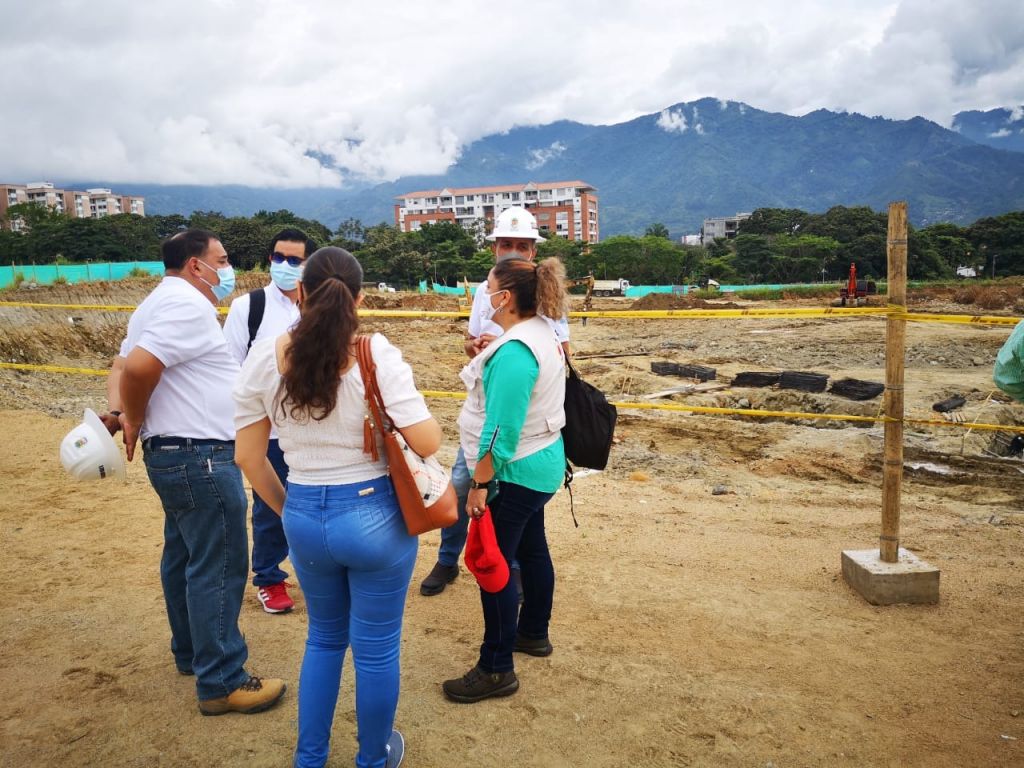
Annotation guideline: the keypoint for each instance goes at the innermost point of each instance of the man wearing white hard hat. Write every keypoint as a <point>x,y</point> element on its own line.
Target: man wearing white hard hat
<point>514,236</point>
<point>171,387</point>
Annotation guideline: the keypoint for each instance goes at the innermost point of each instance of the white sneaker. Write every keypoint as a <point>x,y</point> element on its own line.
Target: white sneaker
<point>395,750</point>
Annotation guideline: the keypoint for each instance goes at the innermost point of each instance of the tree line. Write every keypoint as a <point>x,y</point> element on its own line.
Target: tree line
<point>775,245</point>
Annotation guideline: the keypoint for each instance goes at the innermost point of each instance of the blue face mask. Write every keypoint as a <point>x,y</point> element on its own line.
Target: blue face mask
<point>226,275</point>
<point>285,276</point>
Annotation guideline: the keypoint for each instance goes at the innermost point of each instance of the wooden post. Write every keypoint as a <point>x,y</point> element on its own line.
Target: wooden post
<point>895,343</point>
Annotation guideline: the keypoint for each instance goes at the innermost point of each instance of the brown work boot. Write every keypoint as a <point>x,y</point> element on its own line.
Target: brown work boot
<point>252,696</point>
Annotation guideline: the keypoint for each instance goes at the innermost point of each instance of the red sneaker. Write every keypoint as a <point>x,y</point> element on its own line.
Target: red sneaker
<point>275,597</point>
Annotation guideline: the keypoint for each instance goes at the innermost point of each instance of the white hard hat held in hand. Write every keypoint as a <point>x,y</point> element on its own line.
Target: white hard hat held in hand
<point>88,452</point>
<point>515,222</point>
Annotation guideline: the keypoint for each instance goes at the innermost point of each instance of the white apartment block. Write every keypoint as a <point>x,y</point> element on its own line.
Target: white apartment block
<point>90,204</point>
<point>565,208</point>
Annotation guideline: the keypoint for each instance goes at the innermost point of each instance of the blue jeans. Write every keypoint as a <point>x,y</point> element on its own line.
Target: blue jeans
<point>269,545</point>
<point>453,538</point>
<point>354,558</point>
<point>518,514</point>
<point>205,558</point>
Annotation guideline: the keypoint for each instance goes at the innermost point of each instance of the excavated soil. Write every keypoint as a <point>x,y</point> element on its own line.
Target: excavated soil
<point>700,615</point>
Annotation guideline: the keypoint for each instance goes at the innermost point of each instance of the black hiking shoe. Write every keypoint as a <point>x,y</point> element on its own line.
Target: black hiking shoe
<point>477,685</point>
<point>440,576</point>
<point>533,646</point>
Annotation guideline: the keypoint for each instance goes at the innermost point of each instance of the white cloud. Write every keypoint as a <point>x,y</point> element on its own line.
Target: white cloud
<point>672,121</point>
<point>1016,113</point>
<point>538,157</point>
<point>1001,133</point>
<point>245,91</point>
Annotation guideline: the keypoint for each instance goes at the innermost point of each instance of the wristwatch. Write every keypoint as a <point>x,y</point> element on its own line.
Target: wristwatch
<point>477,485</point>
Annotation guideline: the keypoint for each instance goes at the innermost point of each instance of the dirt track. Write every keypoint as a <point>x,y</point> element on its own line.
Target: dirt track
<point>690,628</point>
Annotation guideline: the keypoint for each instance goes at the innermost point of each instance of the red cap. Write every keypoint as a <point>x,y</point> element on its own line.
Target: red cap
<point>483,557</point>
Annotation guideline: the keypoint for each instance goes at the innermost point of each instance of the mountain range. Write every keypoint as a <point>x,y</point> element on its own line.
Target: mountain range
<point>695,160</point>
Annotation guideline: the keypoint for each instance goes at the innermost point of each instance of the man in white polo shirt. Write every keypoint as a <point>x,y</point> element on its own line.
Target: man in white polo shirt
<point>263,314</point>
<point>515,235</point>
<point>171,386</point>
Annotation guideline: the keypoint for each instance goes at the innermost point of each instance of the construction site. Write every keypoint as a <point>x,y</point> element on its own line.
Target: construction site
<point>701,616</point>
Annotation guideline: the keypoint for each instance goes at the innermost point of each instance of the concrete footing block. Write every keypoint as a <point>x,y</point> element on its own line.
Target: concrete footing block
<point>910,580</point>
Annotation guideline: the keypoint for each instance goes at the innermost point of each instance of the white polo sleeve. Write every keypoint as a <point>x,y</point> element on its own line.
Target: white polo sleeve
<point>180,331</point>
<point>560,327</point>
<point>403,402</point>
<point>236,328</point>
<point>478,315</point>
<point>257,384</point>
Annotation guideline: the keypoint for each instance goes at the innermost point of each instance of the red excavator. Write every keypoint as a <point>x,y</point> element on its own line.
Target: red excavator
<point>856,291</point>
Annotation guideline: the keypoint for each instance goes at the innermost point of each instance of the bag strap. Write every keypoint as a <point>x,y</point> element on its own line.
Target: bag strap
<point>257,307</point>
<point>568,487</point>
<point>376,414</point>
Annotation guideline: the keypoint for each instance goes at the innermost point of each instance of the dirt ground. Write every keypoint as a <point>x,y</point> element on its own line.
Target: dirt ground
<point>700,616</point>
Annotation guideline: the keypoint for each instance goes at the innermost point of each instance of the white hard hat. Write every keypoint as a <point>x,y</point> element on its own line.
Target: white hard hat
<point>515,222</point>
<point>88,452</point>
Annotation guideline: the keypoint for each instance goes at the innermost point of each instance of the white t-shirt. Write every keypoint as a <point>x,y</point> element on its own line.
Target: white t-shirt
<point>280,314</point>
<point>178,325</point>
<point>480,321</point>
<point>329,452</point>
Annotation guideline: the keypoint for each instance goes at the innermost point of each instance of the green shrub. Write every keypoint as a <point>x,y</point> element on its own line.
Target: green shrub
<point>139,272</point>
<point>60,280</point>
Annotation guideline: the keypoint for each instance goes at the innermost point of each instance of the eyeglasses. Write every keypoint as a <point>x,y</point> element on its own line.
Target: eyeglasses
<point>293,261</point>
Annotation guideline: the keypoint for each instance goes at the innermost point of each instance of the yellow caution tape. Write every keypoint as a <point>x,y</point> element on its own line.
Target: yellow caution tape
<point>920,317</point>
<point>53,369</point>
<point>710,314</point>
<point>892,312</point>
<point>94,307</point>
<point>677,407</point>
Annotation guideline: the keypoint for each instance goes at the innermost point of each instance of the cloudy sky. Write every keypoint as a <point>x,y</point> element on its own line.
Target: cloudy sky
<point>251,91</point>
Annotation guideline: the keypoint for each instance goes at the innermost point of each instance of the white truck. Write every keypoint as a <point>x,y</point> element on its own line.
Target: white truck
<point>611,287</point>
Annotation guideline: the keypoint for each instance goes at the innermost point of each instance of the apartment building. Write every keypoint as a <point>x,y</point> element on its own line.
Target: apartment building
<point>722,226</point>
<point>90,204</point>
<point>565,208</point>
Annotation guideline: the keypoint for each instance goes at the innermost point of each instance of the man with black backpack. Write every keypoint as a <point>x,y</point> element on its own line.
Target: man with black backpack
<point>266,313</point>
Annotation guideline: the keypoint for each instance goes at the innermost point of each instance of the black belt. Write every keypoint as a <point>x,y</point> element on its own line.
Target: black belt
<point>181,443</point>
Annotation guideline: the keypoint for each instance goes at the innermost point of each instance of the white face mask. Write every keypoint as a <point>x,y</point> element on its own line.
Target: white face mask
<point>488,295</point>
<point>285,276</point>
<point>226,275</point>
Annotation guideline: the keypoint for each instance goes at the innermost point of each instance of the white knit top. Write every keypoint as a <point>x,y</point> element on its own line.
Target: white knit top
<point>328,452</point>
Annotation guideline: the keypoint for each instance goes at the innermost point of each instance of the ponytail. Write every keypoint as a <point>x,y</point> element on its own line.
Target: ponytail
<point>536,287</point>
<point>322,339</point>
<point>551,299</point>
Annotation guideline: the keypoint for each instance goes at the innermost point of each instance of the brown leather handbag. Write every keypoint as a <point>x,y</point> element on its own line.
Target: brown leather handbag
<point>425,491</point>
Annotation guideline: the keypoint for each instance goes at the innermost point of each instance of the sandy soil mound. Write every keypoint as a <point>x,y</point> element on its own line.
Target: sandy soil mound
<point>673,301</point>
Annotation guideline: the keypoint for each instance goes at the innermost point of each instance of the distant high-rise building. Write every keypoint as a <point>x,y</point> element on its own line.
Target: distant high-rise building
<point>565,208</point>
<point>90,204</point>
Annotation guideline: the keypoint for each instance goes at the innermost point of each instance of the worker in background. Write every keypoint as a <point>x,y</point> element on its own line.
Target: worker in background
<point>515,235</point>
